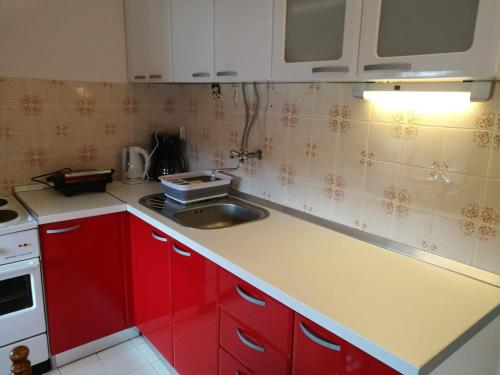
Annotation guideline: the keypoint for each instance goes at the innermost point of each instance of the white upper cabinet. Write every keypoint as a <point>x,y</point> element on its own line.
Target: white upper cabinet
<point>429,39</point>
<point>315,39</point>
<point>193,40</point>
<point>243,39</point>
<point>148,40</point>
<point>135,14</point>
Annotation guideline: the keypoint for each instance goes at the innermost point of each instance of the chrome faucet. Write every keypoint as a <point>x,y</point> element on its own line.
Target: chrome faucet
<point>243,155</point>
<point>217,170</point>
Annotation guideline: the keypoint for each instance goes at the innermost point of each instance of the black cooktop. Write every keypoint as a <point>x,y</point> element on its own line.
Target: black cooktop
<point>3,202</point>
<point>7,215</point>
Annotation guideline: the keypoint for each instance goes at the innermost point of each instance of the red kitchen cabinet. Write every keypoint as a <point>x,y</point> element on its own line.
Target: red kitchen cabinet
<point>230,366</point>
<point>194,296</point>
<point>250,348</point>
<point>84,268</point>
<point>152,285</point>
<point>273,320</point>
<point>316,351</point>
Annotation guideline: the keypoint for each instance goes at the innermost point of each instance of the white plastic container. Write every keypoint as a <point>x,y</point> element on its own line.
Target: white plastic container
<point>193,187</point>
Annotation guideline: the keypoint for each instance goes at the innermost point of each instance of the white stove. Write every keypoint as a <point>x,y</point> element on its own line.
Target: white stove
<point>14,217</point>
<point>22,315</point>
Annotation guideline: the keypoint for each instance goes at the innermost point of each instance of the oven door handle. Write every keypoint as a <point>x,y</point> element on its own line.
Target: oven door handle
<point>26,265</point>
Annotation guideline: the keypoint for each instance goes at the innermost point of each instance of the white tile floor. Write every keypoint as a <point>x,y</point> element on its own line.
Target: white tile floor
<point>134,357</point>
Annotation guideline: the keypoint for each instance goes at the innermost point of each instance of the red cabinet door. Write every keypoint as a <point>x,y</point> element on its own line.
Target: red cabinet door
<point>152,285</point>
<point>85,282</point>
<point>194,292</point>
<point>317,351</point>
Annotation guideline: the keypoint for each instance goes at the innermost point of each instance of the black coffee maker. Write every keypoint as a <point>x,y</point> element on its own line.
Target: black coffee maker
<point>167,158</point>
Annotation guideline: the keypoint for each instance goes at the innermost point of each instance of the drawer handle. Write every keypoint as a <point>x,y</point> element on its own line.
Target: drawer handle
<point>63,230</point>
<point>139,77</point>
<point>318,340</point>
<point>158,238</point>
<point>397,67</point>
<point>181,252</point>
<point>155,76</point>
<point>248,343</point>
<point>200,75</point>
<point>227,73</point>
<point>249,298</point>
<point>330,69</point>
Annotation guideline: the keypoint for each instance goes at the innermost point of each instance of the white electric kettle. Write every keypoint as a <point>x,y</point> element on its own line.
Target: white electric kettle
<point>135,165</point>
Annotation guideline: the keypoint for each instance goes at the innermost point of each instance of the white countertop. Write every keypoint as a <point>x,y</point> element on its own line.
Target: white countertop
<point>49,206</point>
<point>400,310</point>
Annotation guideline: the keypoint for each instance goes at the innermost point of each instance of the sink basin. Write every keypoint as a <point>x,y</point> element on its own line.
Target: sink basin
<point>214,214</point>
<point>219,215</point>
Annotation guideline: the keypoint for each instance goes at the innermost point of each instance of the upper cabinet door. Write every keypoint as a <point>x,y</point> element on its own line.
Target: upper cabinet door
<point>316,39</point>
<point>193,40</point>
<point>158,40</point>
<point>429,39</point>
<point>147,25</point>
<point>243,38</point>
<point>135,15</point>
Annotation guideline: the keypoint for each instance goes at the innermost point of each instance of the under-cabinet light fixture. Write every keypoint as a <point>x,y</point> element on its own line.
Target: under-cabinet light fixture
<point>427,97</point>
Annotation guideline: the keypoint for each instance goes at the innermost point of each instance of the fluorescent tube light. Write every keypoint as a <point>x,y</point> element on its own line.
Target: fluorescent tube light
<point>425,98</point>
<point>420,101</point>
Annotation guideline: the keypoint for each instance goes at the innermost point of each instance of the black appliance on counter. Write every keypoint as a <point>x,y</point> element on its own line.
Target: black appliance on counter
<point>168,157</point>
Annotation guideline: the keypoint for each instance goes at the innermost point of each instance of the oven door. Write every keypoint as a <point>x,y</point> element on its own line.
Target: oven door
<point>21,301</point>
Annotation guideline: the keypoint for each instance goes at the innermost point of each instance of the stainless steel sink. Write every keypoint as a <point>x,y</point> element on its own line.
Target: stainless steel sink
<point>218,215</point>
<point>215,214</point>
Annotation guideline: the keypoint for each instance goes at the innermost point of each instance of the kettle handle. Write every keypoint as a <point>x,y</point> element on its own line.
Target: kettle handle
<point>125,159</point>
<point>147,160</point>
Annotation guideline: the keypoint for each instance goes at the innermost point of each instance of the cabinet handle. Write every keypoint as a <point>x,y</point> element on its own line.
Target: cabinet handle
<point>248,343</point>
<point>158,238</point>
<point>63,230</point>
<point>155,76</point>
<point>318,340</point>
<point>139,77</point>
<point>200,74</point>
<point>330,69</point>
<point>397,67</point>
<point>227,73</point>
<point>249,298</point>
<point>181,252</point>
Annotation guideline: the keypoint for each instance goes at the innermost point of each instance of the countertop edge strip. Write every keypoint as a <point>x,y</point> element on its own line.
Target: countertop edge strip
<point>398,247</point>
<point>459,341</point>
<point>364,344</point>
<point>81,214</point>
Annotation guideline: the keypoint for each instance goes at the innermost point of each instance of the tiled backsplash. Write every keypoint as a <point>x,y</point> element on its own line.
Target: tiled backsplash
<point>431,181</point>
<point>46,125</point>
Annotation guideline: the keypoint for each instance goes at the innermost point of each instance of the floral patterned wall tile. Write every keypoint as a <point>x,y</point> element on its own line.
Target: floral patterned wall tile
<point>407,174</point>
<point>46,125</point>
<point>429,180</point>
<point>422,145</point>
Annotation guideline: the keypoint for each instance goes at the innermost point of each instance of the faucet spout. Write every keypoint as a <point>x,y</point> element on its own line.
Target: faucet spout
<point>217,170</point>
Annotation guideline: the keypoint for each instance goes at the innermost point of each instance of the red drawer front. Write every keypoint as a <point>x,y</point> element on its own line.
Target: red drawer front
<point>273,320</point>
<point>316,351</point>
<point>230,366</point>
<point>248,346</point>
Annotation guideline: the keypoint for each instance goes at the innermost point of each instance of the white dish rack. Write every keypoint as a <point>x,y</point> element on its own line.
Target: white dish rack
<point>193,187</point>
